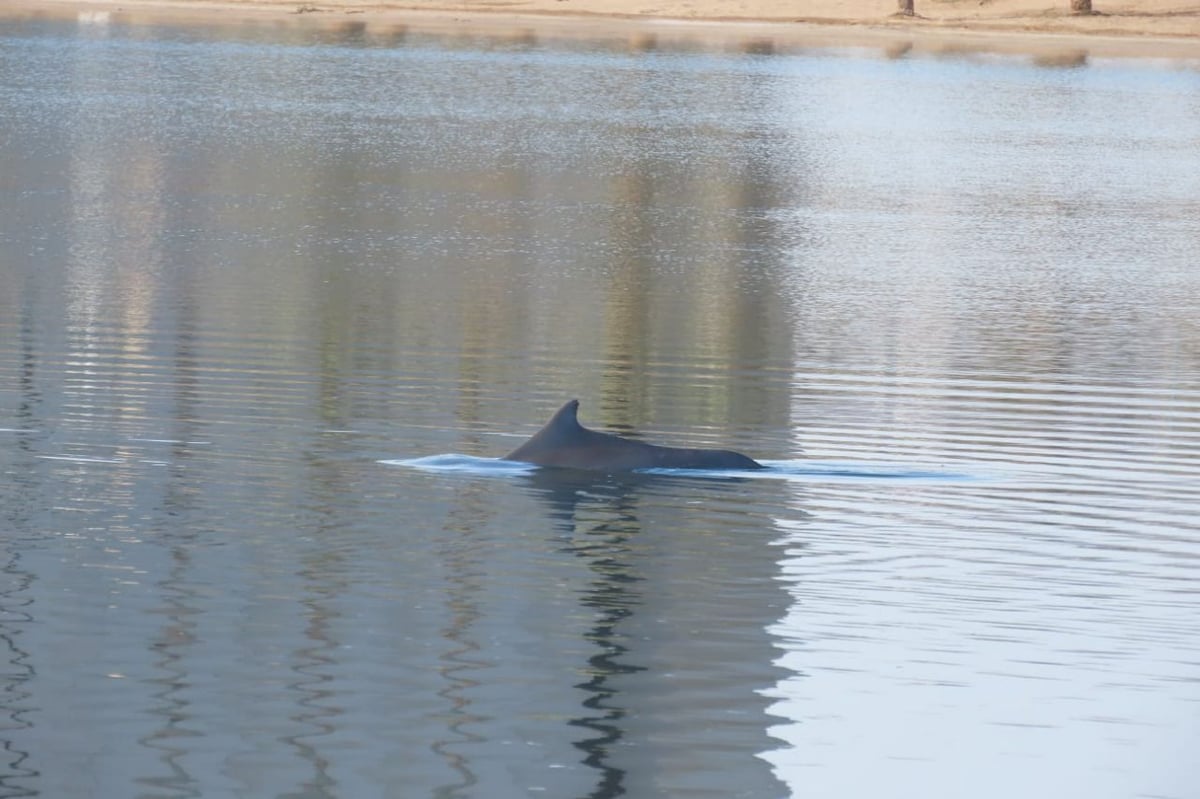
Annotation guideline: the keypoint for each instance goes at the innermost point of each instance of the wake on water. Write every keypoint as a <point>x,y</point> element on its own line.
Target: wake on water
<point>800,470</point>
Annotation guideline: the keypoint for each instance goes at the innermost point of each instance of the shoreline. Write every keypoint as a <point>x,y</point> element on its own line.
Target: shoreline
<point>1041,29</point>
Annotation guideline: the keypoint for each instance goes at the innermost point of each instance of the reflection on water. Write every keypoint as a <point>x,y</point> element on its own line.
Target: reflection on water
<point>250,278</point>
<point>650,638</point>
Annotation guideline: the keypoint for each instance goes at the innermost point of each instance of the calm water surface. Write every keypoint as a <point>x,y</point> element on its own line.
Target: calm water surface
<point>247,275</point>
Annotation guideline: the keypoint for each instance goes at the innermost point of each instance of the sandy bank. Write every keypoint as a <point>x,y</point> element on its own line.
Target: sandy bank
<point>1043,28</point>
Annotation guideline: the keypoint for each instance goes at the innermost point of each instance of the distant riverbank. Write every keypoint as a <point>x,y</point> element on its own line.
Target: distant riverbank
<point>1047,28</point>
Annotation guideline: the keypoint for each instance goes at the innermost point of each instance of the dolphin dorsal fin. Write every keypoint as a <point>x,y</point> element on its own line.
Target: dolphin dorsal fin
<point>565,419</point>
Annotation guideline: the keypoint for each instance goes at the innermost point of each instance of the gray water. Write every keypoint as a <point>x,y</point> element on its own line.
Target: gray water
<point>270,297</point>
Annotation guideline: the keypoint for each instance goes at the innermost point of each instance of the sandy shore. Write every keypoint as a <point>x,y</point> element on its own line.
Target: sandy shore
<point>1044,28</point>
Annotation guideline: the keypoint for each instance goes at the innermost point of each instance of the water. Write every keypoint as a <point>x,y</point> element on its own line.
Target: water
<point>272,299</point>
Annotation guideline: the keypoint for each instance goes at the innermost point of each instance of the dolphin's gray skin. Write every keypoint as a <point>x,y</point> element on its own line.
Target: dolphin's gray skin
<point>565,442</point>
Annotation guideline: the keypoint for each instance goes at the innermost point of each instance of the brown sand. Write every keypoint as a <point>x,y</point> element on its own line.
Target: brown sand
<point>1046,29</point>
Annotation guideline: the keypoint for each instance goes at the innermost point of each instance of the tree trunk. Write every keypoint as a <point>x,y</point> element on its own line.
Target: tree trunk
<point>906,6</point>
<point>1081,6</point>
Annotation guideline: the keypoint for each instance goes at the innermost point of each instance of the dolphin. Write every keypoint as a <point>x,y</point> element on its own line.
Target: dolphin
<point>565,442</point>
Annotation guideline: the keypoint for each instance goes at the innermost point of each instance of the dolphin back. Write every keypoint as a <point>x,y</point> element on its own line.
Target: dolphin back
<point>674,458</point>
<point>563,441</point>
